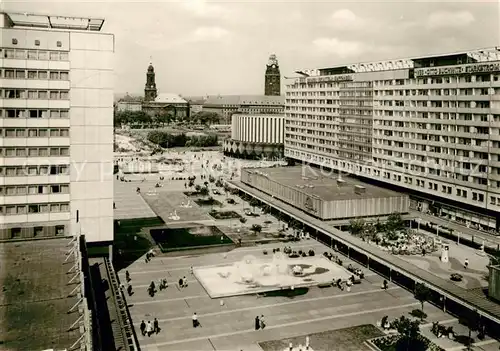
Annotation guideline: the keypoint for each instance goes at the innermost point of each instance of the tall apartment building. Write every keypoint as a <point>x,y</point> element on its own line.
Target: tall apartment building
<point>428,126</point>
<point>56,127</point>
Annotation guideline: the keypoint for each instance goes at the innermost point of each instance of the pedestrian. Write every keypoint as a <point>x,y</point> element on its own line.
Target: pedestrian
<point>384,284</point>
<point>127,276</point>
<point>466,263</point>
<point>257,323</point>
<point>143,328</point>
<point>156,328</point>
<point>262,322</point>
<point>149,328</point>
<point>181,283</point>
<point>191,270</point>
<point>196,323</point>
<point>129,289</point>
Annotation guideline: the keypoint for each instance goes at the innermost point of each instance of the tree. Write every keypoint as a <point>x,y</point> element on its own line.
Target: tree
<point>162,118</point>
<point>254,203</point>
<point>256,228</point>
<point>370,232</point>
<point>394,223</point>
<point>422,294</point>
<point>357,227</point>
<point>473,322</point>
<point>410,333</point>
<point>205,117</point>
<point>203,191</point>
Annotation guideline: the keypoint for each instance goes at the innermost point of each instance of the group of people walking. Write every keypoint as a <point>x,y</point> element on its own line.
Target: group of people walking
<point>183,283</point>
<point>150,328</point>
<point>260,323</point>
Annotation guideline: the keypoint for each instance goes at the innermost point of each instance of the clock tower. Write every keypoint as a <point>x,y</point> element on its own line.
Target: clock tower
<point>150,91</point>
<point>273,77</point>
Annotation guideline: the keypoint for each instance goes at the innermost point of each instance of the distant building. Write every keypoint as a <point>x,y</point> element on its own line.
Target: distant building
<point>228,105</point>
<point>172,104</point>
<point>273,77</point>
<point>256,136</point>
<point>195,105</point>
<point>153,103</point>
<point>150,91</point>
<point>129,103</point>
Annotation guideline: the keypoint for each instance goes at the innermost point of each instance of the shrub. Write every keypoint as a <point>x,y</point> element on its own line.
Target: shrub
<point>418,314</point>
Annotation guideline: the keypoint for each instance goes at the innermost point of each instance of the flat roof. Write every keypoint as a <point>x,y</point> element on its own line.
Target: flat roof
<point>489,54</point>
<point>32,20</point>
<point>323,184</point>
<point>34,300</point>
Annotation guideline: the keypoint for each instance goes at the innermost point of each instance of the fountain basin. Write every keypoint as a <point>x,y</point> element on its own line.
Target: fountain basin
<point>251,275</point>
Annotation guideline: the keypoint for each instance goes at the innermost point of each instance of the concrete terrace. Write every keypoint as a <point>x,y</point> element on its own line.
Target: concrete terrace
<point>34,300</point>
<point>231,326</point>
<point>324,184</point>
<point>165,202</point>
<point>129,204</point>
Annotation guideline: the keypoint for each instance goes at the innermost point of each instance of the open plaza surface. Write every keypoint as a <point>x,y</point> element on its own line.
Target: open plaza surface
<point>328,315</point>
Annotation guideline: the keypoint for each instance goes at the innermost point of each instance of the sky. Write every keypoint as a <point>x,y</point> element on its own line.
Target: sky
<point>201,47</point>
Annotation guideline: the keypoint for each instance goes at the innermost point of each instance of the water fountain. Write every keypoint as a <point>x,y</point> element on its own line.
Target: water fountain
<point>174,216</point>
<point>188,205</point>
<point>253,275</point>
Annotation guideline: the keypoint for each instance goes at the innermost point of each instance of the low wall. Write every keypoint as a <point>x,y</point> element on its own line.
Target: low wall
<point>198,250</point>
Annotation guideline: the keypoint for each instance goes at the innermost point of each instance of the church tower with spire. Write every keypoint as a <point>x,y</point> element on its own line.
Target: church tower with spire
<point>273,77</point>
<point>150,91</point>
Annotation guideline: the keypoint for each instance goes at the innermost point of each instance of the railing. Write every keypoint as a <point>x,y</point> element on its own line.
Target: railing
<point>124,320</point>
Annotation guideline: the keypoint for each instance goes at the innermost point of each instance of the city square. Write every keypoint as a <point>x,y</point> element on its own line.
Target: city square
<point>216,289</point>
<point>167,183</point>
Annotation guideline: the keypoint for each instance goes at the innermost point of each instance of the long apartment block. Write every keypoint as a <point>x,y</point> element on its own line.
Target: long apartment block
<point>56,127</point>
<point>429,126</point>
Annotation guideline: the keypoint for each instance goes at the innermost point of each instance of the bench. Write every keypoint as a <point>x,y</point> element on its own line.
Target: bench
<point>325,285</point>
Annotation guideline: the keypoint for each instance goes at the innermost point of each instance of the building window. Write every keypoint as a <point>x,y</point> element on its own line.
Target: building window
<point>59,229</point>
<point>14,41</point>
<point>59,44</point>
<point>37,231</point>
<point>15,233</point>
<point>37,42</point>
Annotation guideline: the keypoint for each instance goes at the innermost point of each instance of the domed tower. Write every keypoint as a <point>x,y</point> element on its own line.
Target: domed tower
<point>150,91</point>
<point>273,77</point>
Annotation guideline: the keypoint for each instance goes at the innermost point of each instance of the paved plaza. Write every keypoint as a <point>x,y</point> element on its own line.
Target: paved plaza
<point>227,323</point>
<point>229,326</point>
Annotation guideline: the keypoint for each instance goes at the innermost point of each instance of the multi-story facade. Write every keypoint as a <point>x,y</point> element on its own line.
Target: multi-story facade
<point>429,126</point>
<point>228,105</point>
<point>56,125</point>
<point>272,83</point>
<point>256,136</point>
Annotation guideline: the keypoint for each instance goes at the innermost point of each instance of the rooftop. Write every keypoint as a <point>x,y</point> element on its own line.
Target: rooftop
<point>245,100</point>
<point>13,20</point>
<point>34,300</point>
<point>322,184</point>
<point>169,99</point>
<point>470,56</point>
